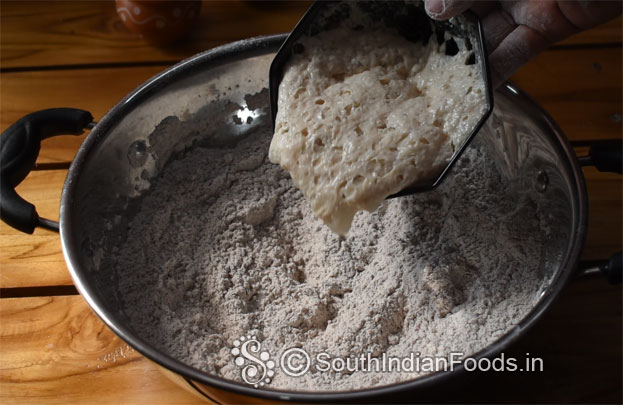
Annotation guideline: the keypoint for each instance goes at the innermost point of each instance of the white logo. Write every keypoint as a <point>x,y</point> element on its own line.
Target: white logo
<point>259,371</point>
<point>295,362</point>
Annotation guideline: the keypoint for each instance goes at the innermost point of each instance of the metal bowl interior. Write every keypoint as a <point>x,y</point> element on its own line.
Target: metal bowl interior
<point>208,98</point>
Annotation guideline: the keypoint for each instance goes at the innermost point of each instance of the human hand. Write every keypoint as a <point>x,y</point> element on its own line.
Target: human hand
<point>516,31</point>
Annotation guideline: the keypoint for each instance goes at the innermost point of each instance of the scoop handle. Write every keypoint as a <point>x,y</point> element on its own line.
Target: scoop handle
<point>19,148</point>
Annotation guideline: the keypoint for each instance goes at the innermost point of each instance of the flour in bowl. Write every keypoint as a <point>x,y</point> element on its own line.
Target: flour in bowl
<point>224,246</point>
<point>364,114</point>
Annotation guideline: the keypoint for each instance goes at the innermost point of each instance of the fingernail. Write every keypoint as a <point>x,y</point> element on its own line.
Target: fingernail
<point>434,7</point>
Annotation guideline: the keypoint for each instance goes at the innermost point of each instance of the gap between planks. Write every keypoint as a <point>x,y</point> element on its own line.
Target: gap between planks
<point>43,291</point>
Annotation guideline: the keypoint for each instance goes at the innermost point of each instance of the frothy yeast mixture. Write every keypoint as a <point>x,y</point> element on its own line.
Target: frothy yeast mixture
<point>364,114</point>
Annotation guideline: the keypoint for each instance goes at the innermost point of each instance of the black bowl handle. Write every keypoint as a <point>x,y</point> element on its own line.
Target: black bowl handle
<point>611,269</point>
<point>19,149</point>
<point>605,155</point>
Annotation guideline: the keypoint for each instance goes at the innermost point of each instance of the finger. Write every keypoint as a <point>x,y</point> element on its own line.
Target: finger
<point>497,25</point>
<point>521,45</point>
<point>444,9</point>
<point>543,16</point>
<point>587,15</point>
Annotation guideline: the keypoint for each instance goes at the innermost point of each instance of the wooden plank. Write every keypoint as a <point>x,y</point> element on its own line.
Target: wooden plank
<point>56,351</point>
<point>580,88</point>
<point>605,219</point>
<point>44,187</point>
<point>36,260</point>
<point>54,347</point>
<point>610,32</point>
<point>42,33</point>
<point>94,90</point>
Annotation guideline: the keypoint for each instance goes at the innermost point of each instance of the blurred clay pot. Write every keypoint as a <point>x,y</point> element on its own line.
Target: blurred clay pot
<point>159,22</point>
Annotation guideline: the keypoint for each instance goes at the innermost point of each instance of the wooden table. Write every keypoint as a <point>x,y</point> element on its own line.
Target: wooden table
<point>53,349</point>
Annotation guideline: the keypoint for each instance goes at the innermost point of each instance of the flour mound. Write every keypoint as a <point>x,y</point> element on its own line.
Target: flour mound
<point>225,246</point>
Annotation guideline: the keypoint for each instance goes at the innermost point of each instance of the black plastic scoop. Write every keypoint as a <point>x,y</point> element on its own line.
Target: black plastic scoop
<point>412,22</point>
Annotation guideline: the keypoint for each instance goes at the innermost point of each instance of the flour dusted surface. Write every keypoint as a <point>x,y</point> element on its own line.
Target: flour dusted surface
<point>364,114</point>
<point>224,245</point>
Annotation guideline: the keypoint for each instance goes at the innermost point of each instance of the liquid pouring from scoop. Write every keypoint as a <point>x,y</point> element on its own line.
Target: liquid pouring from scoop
<point>371,100</point>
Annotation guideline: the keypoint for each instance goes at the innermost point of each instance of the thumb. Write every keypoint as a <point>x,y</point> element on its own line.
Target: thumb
<point>444,9</point>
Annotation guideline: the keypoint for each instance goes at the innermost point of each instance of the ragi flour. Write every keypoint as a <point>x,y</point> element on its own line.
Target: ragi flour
<point>224,246</point>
